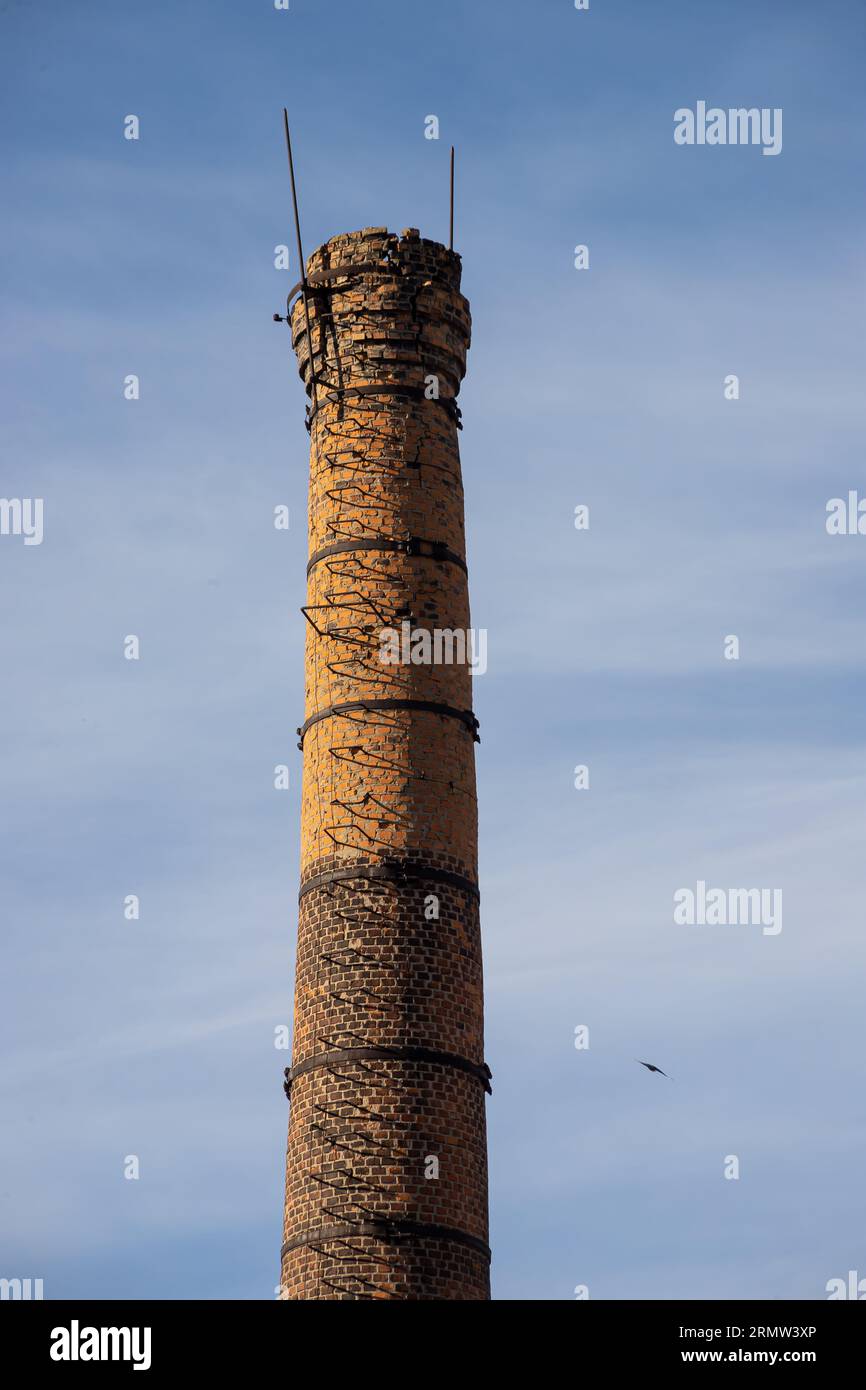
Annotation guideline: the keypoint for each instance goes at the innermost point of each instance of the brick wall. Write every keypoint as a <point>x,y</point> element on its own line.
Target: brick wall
<point>388,1083</point>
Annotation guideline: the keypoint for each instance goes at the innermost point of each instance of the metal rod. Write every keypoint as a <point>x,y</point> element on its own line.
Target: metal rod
<point>451,222</point>
<point>302,263</point>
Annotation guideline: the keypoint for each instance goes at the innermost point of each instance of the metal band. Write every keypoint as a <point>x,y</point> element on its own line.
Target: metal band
<point>393,872</point>
<point>320,278</point>
<point>479,1070</point>
<point>385,388</point>
<point>429,706</point>
<point>389,1232</point>
<point>413,545</point>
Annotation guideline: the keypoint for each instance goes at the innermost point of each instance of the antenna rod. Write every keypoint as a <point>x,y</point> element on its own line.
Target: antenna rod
<point>451,223</point>
<point>301,260</point>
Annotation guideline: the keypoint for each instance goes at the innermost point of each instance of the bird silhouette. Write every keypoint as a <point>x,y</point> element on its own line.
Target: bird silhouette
<point>649,1066</point>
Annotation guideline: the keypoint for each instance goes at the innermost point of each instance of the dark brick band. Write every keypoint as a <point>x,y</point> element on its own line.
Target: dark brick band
<point>479,1070</point>
<point>394,871</point>
<point>389,1232</point>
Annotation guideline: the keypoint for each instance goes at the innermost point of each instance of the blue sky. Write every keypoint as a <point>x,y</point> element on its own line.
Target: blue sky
<point>602,387</point>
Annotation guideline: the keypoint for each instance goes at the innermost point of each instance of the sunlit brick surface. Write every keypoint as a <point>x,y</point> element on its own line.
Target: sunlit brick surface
<point>386,962</point>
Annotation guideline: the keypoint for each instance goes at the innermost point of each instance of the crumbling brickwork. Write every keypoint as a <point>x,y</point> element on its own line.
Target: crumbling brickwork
<point>386,1173</point>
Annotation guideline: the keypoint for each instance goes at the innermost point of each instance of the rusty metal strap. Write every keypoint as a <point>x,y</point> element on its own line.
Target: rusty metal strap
<point>428,706</point>
<point>479,1070</point>
<point>413,545</point>
<point>321,278</point>
<point>384,388</point>
<point>392,872</point>
<point>389,1232</point>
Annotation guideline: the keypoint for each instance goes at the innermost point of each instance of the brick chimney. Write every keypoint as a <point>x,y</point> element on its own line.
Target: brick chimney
<point>386,1170</point>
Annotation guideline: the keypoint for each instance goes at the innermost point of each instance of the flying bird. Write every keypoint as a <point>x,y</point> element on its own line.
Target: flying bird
<point>649,1066</point>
